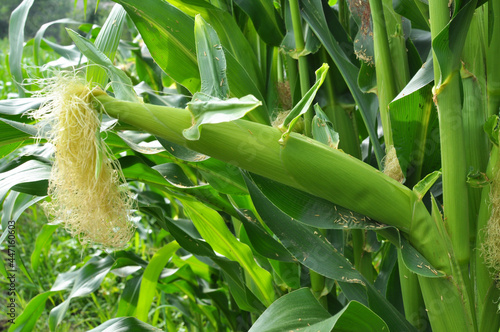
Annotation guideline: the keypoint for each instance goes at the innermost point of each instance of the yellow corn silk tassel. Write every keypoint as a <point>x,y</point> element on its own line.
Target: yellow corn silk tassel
<point>85,182</point>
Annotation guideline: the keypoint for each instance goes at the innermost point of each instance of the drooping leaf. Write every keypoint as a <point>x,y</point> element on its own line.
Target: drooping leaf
<point>29,172</point>
<point>18,106</point>
<point>87,280</point>
<point>305,103</point>
<point>314,251</point>
<point>39,37</point>
<point>121,83</point>
<point>207,109</point>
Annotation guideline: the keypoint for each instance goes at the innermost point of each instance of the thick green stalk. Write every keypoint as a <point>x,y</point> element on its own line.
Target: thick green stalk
<point>412,297</point>
<point>447,98</point>
<point>492,58</point>
<point>305,84</point>
<point>397,45</point>
<point>473,74</point>
<point>317,280</point>
<point>386,85</point>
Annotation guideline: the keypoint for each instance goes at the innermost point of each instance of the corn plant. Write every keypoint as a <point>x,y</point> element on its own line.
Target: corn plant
<point>335,161</point>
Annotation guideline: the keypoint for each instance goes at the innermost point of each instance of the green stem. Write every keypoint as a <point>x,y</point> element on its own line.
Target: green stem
<point>305,84</point>
<point>493,64</point>
<point>412,296</point>
<point>386,85</point>
<point>344,14</point>
<point>473,74</point>
<point>455,196</point>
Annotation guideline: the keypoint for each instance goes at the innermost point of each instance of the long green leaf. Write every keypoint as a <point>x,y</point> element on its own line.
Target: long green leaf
<point>315,252</point>
<point>211,60</point>
<point>150,279</point>
<point>300,311</point>
<point>213,229</point>
<point>16,42</point>
<point>27,319</point>
<point>107,42</point>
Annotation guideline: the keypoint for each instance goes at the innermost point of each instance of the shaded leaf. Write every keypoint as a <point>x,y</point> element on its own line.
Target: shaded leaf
<point>265,18</point>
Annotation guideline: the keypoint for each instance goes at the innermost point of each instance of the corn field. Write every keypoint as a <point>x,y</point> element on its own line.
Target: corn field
<point>257,165</point>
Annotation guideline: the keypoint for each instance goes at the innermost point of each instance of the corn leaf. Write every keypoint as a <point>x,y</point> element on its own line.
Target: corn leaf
<point>213,229</point>
<point>26,321</point>
<point>87,280</point>
<point>314,15</point>
<point>305,103</point>
<point>16,41</point>
<point>301,311</point>
<point>449,43</point>
<point>121,83</point>
<point>107,42</point>
<point>305,244</point>
<point>150,279</point>
<point>322,129</point>
<point>265,18</point>
<point>39,36</point>
<point>125,324</point>
<point>211,60</point>
<point>207,109</point>
<point>30,171</point>
<point>311,43</point>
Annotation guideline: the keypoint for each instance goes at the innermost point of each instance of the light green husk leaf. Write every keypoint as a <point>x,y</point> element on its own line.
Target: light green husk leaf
<point>85,182</point>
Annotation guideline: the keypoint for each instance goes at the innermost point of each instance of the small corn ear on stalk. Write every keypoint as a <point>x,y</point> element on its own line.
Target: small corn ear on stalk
<point>85,182</point>
<point>391,165</point>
